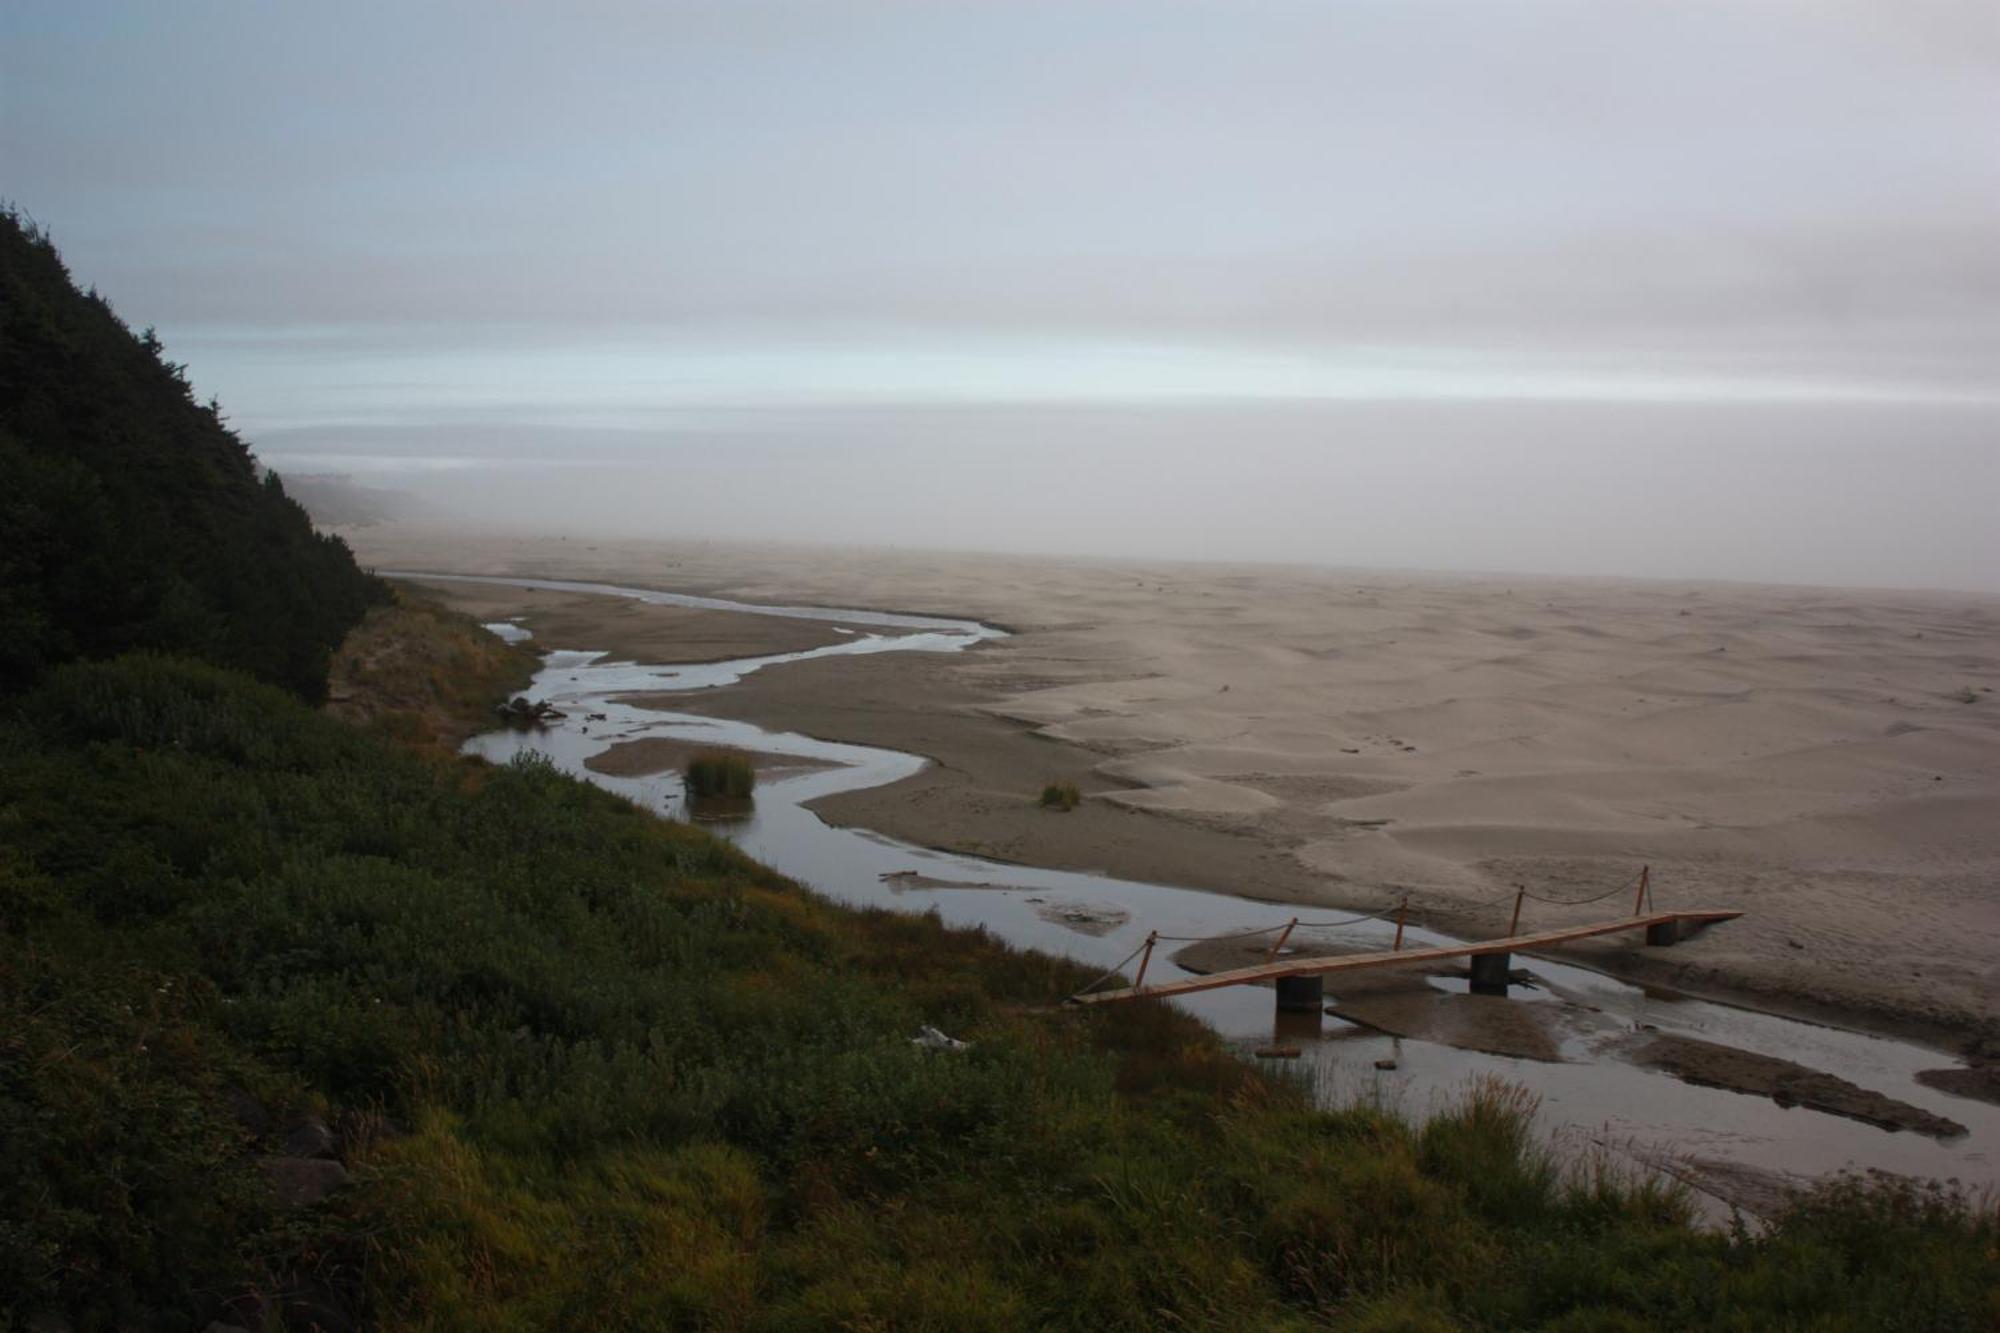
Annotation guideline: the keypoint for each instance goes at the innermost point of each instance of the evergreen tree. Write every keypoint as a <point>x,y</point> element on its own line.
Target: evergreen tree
<point>131,516</point>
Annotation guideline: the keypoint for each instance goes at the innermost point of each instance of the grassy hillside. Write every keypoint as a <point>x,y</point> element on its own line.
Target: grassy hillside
<point>424,675</point>
<point>134,518</point>
<point>582,1068</point>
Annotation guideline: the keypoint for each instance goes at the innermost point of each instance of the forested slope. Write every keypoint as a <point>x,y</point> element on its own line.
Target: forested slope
<point>132,516</point>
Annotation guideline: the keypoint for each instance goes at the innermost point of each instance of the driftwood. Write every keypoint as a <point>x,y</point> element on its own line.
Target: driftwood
<point>521,711</point>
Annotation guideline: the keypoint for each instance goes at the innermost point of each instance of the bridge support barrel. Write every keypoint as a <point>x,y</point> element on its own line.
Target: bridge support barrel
<point>1300,995</point>
<point>1661,934</point>
<point>1489,973</point>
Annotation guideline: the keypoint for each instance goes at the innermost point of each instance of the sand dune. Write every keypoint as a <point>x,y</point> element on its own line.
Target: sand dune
<point>1828,759</point>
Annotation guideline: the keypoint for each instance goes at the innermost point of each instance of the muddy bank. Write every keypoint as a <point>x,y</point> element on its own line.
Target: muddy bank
<point>1749,1189</point>
<point>654,754</point>
<point>1084,918</point>
<point>1981,1082</point>
<point>1488,1023</point>
<point>1709,1065</point>
<point>1981,1078</point>
<point>917,881</point>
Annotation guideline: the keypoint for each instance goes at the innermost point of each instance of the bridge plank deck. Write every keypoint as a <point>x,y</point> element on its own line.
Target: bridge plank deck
<point>1304,967</point>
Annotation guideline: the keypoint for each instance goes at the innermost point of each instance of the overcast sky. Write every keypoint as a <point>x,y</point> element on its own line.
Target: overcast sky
<point>1297,281</point>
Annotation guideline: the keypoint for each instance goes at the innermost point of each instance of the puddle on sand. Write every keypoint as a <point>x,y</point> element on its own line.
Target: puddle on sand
<point>1587,1095</point>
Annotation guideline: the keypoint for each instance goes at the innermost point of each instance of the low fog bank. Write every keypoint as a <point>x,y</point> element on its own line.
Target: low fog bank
<point>1857,495</point>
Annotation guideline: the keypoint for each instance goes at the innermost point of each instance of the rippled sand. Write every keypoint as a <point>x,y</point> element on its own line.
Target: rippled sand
<point>1828,759</point>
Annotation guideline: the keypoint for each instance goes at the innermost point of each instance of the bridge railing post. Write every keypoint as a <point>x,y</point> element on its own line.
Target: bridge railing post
<point>1402,911</point>
<point>1140,980</point>
<point>1271,954</point>
<point>1514,926</point>
<point>1639,900</point>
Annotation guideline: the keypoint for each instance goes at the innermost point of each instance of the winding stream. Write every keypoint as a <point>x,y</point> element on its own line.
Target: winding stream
<point>1590,1095</point>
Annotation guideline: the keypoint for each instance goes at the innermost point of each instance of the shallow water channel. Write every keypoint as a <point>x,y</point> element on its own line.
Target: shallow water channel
<point>1589,1096</point>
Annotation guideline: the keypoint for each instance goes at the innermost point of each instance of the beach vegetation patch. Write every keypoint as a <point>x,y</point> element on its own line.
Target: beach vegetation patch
<point>1061,796</point>
<point>720,774</point>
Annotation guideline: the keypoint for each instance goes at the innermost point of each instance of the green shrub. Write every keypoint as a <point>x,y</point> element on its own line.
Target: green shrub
<point>1061,796</point>
<point>720,773</point>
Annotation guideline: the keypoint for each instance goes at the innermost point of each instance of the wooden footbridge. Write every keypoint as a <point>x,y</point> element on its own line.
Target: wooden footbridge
<point>1300,981</point>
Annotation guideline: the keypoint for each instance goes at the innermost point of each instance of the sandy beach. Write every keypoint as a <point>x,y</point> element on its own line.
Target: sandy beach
<point>1826,759</point>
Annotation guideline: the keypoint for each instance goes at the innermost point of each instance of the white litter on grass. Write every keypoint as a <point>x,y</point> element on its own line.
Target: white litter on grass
<point>932,1040</point>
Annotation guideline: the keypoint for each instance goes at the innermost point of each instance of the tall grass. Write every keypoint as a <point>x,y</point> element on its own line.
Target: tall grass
<point>720,773</point>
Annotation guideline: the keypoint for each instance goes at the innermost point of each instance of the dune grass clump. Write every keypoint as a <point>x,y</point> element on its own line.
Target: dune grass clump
<point>1061,796</point>
<point>720,773</point>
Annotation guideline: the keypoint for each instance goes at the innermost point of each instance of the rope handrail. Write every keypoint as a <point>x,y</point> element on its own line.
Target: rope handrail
<point>1344,921</point>
<point>1234,935</point>
<point>1583,902</point>
<point>1113,970</point>
<point>1271,930</point>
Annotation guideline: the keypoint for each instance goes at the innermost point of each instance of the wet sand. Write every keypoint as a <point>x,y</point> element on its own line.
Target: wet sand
<point>1787,1083</point>
<point>627,630</point>
<point>1826,759</point>
<point>1085,918</point>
